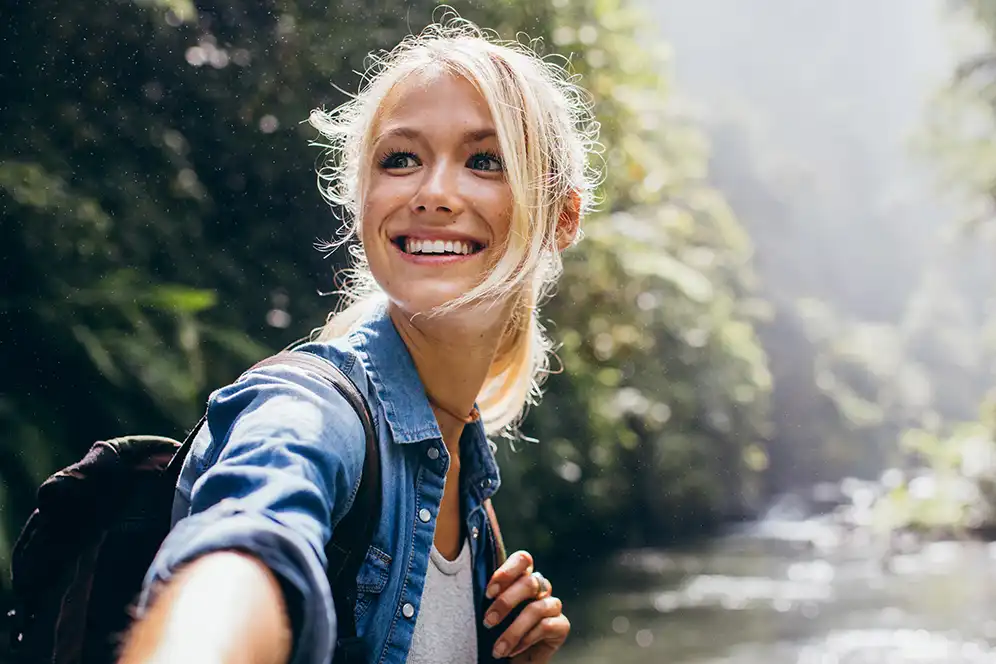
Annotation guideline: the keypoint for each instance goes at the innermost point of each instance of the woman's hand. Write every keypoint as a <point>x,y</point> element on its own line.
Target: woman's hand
<point>222,608</point>
<point>541,628</point>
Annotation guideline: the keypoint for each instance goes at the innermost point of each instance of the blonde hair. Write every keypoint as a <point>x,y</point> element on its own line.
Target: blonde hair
<point>545,134</point>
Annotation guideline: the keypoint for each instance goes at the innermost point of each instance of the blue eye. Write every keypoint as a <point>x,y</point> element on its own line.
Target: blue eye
<point>485,161</point>
<point>399,159</point>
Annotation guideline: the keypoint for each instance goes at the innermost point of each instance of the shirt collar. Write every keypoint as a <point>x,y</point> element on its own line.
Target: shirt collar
<point>409,415</point>
<point>477,458</point>
<point>395,378</point>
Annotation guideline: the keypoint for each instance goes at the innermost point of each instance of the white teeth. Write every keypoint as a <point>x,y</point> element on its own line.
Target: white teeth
<point>415,246</point>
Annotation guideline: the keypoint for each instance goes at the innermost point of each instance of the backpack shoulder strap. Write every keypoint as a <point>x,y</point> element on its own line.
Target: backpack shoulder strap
<point>347,549</point>
<point>497,543</point>
<point>348,546</point>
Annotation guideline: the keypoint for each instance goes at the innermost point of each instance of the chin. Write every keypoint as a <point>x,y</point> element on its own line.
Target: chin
<point>427,301</point>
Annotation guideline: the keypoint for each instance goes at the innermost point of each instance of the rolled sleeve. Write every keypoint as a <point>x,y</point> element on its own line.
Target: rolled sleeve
<point>282,467</point>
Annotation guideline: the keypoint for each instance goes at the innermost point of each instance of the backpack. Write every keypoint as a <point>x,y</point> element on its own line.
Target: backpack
<point>79,562</point>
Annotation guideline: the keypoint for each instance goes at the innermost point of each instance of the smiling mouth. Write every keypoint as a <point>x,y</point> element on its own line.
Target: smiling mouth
<point>428,247</point>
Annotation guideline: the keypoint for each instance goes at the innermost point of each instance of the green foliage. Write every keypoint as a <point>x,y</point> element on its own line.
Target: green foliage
<point>953,491</point>
<point>157,200</point>
<point>959,129</point>
<point>663,397</point>
<point>958,134</point>
<point>157,195</point>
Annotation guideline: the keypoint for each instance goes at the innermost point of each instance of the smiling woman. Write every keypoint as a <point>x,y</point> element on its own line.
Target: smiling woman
<point>463,164</point>
<point>438,181</point>
<point>406,117</point>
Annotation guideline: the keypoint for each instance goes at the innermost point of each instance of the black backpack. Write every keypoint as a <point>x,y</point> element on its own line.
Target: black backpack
<point>79,562</point>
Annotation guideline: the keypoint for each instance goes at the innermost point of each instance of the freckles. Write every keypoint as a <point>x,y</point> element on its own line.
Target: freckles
<point>505,216</point>
<point>390,194</point>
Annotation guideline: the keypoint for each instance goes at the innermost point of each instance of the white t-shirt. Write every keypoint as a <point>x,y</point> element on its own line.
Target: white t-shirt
<point>445,630</point>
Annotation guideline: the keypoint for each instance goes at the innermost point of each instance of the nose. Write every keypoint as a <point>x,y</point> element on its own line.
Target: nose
<point>439,191</point>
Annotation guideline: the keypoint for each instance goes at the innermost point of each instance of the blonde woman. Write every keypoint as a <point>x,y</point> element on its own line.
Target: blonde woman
<point>463,163</point>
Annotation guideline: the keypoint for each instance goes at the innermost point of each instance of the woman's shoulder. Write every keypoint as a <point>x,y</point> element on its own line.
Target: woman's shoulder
<point>283,420</point>
<point>295,395</point>
<point>370,353</point>
<point>341,353</point>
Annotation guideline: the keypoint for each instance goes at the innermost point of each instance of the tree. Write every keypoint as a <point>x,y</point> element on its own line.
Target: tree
<point>958,134</point>
<point>157,201</point>
<point>656,427</point>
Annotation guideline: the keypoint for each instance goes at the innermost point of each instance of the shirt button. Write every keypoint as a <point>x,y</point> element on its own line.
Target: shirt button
<point>424,515</point>
<point>433,453</point>
<point>407,610</point>
<point>486,483</point>
<point>474,532</point>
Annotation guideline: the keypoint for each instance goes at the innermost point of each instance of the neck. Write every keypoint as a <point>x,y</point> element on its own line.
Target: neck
<point>452,357</point>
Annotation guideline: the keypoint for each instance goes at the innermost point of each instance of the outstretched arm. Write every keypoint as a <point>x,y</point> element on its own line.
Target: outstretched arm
<point>242,578</point>
<point>223,608</point>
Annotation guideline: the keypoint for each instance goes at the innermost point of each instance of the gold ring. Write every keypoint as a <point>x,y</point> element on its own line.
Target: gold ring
<point>544,586</point>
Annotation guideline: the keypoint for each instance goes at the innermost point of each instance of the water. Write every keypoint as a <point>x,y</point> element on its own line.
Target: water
<point>793,592</point>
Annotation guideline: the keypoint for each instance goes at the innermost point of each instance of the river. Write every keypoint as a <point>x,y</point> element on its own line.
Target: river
<point>789,593</point>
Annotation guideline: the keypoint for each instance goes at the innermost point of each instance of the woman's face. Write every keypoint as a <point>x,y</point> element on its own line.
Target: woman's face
<point>437,206</point>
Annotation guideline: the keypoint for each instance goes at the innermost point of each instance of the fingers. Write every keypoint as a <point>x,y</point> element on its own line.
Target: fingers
<point>518,564</point>
<point>525,588</point>
<point>552,631</point>
<point>540,620</point>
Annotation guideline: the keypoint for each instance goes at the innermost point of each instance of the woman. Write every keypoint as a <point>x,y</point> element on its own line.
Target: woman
<point>463,165</point>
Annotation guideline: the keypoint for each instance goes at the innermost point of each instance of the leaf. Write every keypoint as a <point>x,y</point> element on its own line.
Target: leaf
<point>98,353</point>
<point>182,299</point>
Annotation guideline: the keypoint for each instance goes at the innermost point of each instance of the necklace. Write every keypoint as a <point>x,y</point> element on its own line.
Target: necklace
<point>466,419</point>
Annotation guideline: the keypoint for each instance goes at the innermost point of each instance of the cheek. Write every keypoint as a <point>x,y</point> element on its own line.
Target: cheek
<point>500,205</point>
<point>375,210</point>
<point>385,194</point>
<point>366,212</point>
<point>372,200</point>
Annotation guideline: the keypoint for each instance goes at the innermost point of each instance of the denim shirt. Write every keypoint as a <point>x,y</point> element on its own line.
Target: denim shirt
<point>278,464</point>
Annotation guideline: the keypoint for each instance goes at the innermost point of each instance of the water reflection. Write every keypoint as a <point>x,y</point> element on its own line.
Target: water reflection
<point>801,592</point>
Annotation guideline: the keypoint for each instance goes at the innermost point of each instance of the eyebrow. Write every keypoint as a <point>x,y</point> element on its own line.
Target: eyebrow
<point>473,136</point>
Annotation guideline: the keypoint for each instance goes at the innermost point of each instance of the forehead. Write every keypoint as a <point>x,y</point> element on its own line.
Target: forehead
<point>435,96</point>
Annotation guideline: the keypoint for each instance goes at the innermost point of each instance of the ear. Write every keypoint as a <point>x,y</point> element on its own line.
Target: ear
<point>569,221</point>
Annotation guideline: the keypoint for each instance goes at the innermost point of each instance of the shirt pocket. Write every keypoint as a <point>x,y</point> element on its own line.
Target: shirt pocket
<point>371,580</point>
